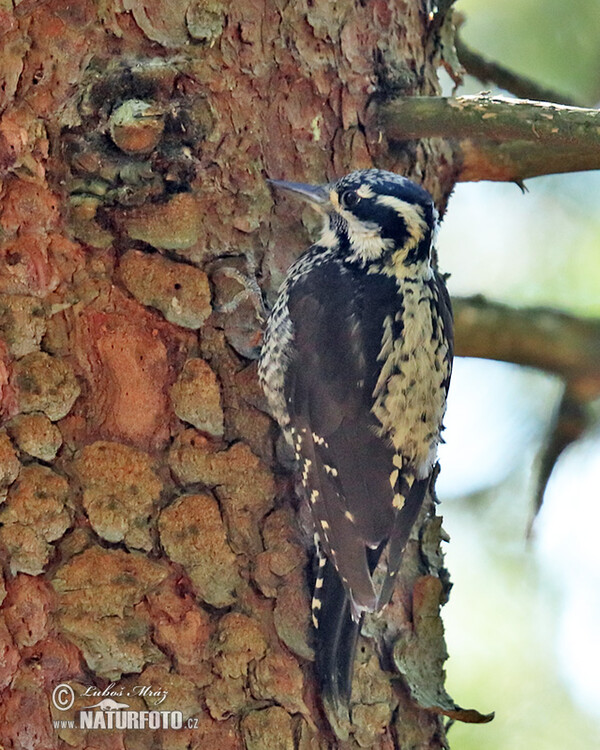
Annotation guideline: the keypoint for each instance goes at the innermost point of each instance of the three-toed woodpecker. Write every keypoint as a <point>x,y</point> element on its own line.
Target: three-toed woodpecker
<point>356,363</point>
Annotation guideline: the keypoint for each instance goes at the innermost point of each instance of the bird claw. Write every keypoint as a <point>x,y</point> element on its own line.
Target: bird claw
<point>243,309</point>
<point>250,291</point>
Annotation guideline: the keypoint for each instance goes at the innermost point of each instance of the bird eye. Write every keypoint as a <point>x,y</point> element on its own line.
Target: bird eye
<point>349,199</point>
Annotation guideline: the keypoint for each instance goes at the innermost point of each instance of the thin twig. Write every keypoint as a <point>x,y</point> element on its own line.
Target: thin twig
<point>572,420</point>
<point>488,71</point>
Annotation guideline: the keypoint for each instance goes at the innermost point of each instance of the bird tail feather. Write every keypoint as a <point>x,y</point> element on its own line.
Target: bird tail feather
<point>336,638</point>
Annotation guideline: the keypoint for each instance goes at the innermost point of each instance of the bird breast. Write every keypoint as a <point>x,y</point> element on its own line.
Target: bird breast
<point>409,397</point>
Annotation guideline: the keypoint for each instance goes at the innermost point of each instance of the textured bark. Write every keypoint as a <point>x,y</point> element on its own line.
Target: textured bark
<point>158,544</point>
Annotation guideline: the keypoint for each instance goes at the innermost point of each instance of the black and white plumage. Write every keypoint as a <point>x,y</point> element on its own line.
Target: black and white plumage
<point>356,364</point>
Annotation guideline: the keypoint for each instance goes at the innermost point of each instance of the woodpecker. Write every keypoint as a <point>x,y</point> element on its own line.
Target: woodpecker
<point>355,364</point>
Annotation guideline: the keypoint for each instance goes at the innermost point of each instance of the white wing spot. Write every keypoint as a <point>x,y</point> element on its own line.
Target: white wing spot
<point>398,501</point>
<point>319,583</point>
<point>315,622</point>
<point>349,516</point>
<point>331,470</point>
<point>305,470</point>
<point>397,461</point>
<point>314,496</point>
<point>394,477</point>
<point>316,604</point>
<point>325,525</point>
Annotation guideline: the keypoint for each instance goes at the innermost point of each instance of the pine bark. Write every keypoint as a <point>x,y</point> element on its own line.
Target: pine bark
<point>150,536</point>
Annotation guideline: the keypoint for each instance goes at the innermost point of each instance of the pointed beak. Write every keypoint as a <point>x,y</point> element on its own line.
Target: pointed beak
<point>316,195</point>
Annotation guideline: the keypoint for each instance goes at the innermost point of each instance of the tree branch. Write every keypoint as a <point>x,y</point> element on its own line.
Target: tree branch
<point>489,71</point>
<point>572,420</point>
<point>498,138</point>
<point>549,340</point>
<point>552,341</point>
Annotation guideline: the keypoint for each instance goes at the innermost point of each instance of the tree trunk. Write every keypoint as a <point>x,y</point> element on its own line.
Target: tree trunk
<point>149,536</point>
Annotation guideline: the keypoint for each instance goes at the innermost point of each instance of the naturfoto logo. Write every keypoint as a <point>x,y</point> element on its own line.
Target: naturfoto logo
<point>112,711</point>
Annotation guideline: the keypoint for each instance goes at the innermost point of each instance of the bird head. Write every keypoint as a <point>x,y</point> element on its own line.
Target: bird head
<point>373,216</point>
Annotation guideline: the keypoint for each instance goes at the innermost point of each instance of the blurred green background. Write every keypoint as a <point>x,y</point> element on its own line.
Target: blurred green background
<point>523,621</point>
